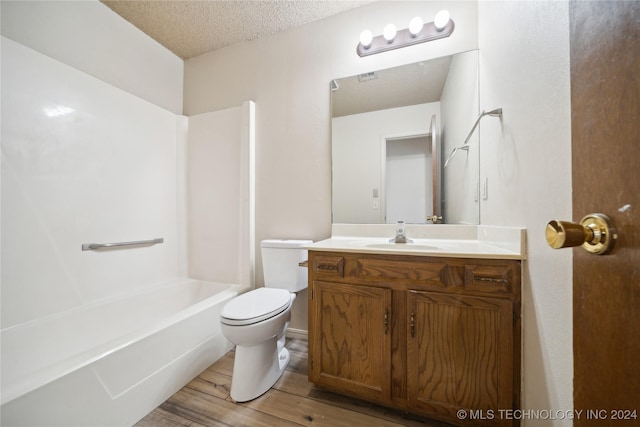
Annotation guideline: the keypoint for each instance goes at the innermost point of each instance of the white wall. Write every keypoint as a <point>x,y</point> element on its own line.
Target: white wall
<point>524,68</point>
<point>82,162</point>
<point>357,157</point>
<point>459,106</point>
<point>89,36</point>
<point>288,76</point>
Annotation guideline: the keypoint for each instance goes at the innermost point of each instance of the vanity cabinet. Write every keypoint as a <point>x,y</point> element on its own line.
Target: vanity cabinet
<point>426,334</point>
<point>354,346</point>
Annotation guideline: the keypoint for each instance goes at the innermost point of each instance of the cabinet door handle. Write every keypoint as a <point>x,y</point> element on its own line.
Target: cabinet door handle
<point>412,325</point>
<point>491,280</point>
<point>386,322</point>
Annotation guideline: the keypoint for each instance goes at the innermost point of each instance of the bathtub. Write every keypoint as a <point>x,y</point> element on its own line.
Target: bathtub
<point>110,363</point>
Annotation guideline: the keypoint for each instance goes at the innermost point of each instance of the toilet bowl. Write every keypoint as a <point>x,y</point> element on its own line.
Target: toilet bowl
<point>256,321</point>
<point>259,338</point>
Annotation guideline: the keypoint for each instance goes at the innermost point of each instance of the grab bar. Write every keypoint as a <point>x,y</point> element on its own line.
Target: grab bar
<point>94,246</point>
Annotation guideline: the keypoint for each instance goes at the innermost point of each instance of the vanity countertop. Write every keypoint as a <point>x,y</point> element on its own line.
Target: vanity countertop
<point>452,241</point>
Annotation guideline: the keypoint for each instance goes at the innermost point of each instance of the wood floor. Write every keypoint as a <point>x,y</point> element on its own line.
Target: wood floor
<point>292,401</point>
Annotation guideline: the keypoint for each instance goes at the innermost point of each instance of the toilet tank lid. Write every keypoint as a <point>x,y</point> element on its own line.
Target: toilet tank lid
<point>278,243</point>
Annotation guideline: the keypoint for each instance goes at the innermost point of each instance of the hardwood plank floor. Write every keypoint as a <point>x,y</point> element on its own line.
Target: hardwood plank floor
<point>293,401</point>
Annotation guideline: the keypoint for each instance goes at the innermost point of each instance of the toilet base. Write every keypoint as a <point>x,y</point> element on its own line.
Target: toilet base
<point>257,368</point>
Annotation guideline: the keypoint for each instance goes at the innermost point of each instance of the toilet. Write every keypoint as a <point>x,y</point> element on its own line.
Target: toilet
<point>256,321</point>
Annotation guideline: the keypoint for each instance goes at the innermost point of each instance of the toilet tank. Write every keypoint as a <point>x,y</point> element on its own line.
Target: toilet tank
<point>280,260</point>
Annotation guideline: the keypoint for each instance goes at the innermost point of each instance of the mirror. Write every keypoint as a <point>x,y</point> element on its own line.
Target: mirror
<point>390,132</point>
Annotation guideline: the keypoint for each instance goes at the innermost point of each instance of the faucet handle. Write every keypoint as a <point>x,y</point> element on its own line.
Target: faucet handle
<point>434,218</point>
<point>401,237</point>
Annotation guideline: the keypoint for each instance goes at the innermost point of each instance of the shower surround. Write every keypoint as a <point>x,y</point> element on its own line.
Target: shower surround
<point>86,162</point>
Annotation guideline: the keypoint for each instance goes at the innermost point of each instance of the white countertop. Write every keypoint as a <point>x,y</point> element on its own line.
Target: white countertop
<point>458,241</point>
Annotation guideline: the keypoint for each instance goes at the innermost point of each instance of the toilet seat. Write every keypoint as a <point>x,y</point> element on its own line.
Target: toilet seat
<point>255,306</point>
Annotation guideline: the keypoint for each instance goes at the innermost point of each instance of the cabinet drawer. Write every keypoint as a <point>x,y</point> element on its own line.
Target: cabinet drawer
<point>427,273</point>
<point>328,265</point>
<point>488,278</point>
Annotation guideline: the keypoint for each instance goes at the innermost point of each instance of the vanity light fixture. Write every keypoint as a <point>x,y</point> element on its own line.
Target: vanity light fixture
<point>415,26</point>
<point>389,32</point>
<point>366,38</point>
<point>418,32</point>
<point>441,20</point>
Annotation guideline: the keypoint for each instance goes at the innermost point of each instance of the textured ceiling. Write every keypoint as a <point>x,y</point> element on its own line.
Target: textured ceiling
<point>190,28</point>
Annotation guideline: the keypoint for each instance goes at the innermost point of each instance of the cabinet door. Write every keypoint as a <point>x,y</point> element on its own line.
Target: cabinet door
<point>350,334</point>
<point>460,356</point>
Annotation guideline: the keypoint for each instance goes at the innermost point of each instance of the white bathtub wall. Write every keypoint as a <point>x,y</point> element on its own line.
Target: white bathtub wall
<point>82,162</point>
<point>221,196</point>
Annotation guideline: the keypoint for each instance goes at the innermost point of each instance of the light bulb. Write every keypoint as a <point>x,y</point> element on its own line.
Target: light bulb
<point>366,38</point>
<point>442,19</point>
<point>415,26</point>
<point>389,32</point>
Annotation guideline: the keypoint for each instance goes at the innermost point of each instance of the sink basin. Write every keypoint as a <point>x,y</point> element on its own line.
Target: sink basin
<point>401,246</point>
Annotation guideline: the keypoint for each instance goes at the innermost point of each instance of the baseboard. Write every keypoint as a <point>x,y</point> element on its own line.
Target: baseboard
<point>297,333</point>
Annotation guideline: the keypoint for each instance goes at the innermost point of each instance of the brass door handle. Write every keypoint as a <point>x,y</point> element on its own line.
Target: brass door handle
<point>595,232</point>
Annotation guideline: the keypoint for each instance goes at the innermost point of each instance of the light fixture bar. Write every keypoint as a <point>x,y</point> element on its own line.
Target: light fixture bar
<point>404,38</point>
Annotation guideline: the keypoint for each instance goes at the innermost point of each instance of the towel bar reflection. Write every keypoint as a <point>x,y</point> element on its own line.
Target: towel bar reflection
<point>94,246</point>
<point>464,147</point>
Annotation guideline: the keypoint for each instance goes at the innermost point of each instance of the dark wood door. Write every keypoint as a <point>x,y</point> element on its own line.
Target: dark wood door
<point>605,122</point>
<point>351,349</point>
<point>460,356</point>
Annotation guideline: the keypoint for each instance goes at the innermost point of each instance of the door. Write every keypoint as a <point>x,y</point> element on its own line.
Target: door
<point>408,179</point>
<point>351,349</point>
<point>605,124</point>
<point>460,355</point>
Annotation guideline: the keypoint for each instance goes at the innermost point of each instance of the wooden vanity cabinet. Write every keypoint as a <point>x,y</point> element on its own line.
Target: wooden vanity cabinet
<point>355,344</point>
<point>426,334</point>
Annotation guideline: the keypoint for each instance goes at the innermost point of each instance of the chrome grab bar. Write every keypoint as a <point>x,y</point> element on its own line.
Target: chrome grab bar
<point>94,246</point>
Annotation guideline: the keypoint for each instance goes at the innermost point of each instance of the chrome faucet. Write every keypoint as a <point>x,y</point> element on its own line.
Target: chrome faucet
<point>401,237</point>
